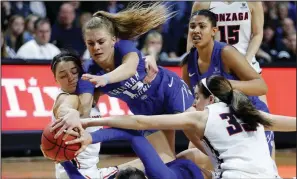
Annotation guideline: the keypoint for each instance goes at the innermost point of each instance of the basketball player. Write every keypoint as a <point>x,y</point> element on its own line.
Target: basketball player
<point>154,166</point>
<point>118,69</point>
<point>66,68</point>
<point>230,127</point>
<point>209,57</point>
<point>240,24</point>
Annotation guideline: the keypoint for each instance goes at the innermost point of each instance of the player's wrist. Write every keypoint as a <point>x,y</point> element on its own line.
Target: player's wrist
<point>106,78</point>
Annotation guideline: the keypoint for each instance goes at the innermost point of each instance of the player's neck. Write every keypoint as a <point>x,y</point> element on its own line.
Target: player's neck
<point>206,51</point>
<point>108,65</point>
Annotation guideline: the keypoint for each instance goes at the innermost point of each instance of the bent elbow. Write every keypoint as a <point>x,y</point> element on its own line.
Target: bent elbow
<point>132,72</point>
<point>264,88</point>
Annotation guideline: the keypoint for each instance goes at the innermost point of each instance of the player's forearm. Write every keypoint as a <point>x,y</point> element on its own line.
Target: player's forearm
<point>255,87</point>
<point>280,123</point>
<point>86,101</point>
<point>121,73</point>
<point>254,46</point>
<point>125,122</point>
<point>69,105</point>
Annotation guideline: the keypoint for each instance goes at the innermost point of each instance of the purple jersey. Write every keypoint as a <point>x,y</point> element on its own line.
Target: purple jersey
<point>216,67</point>
<point>167,93</point>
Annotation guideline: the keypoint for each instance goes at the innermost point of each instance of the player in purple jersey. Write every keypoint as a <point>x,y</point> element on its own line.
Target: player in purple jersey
<point>154,166</point>
<point>118,70</point>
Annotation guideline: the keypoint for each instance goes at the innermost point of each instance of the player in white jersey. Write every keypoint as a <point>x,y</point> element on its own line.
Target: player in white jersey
<point>66,69</point>
<point>86,161</point>
<point>225,121</point>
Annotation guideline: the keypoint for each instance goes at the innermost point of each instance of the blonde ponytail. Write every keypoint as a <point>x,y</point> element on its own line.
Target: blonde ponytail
<point>133,21</point>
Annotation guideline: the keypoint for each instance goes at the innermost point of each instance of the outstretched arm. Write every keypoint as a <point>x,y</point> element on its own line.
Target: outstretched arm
<point>280,123</point>
<point>189,120</point>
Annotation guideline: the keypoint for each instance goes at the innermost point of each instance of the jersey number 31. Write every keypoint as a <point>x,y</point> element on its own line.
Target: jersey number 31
<point>234,127</point>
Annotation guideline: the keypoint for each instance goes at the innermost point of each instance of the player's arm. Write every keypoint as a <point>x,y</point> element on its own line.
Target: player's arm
<point>86,102</point>
<point>257,29</point>
<point>251,83</point>
<point>66,113</point>
<point>196,6</point>
<point>185,74</point>
<point>85,90</point>
<point>181,121</point>
<point>126,70</point>
<point>65,103</point>
<point>280,123</point>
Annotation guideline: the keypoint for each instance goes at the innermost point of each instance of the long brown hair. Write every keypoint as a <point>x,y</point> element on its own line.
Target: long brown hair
<point>133,21</point>
<point>240,105</point>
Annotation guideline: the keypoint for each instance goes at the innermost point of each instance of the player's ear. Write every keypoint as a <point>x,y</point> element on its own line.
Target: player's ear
<point>211,99</point>
<point>214,31</point>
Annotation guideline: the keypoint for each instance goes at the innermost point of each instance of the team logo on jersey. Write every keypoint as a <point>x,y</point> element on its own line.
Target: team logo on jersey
<point>243,6</point>
<point>216,70</point>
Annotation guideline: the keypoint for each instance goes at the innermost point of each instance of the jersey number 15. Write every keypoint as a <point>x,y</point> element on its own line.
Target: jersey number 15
<point>229,34</point>
<point>234,127</point>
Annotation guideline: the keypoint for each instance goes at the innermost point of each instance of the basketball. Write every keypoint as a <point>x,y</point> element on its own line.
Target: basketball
<point>56,149</point>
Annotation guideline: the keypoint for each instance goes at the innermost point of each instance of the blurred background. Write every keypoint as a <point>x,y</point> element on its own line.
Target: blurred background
<point>28,88</point>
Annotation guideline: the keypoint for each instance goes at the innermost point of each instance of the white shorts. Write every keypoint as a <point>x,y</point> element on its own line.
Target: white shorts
<point>256,66</point>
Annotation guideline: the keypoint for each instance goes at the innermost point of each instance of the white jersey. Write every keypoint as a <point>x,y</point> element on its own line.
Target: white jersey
<point>234,150</point>
<point>235,26</point>
<point>87,160</point>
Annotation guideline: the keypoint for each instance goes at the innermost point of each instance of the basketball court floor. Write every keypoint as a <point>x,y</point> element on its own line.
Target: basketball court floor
<point>39,167</point>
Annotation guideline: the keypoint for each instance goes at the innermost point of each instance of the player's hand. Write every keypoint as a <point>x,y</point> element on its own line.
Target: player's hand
<point>69,122</point>
<point>85,140</point>
<point>99,81</point>
<point>151,69</point>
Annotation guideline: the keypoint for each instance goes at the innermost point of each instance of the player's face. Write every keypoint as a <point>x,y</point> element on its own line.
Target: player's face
<point>200,101</point>
<point>201,30</point>
<point>66,75</point>
<point>100,44</point>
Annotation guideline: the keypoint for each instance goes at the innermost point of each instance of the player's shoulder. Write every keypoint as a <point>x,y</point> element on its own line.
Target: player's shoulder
<point>124,43</point>
<point>200,5</point>
<point>89,66</point>
<point>254,4</point>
